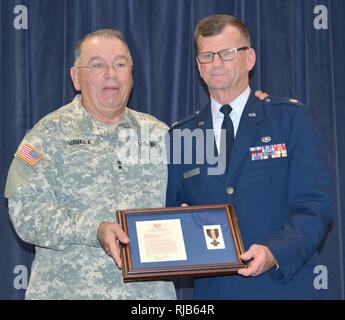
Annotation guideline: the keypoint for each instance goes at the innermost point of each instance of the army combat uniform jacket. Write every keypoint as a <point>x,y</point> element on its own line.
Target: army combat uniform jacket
<point>69,174</point>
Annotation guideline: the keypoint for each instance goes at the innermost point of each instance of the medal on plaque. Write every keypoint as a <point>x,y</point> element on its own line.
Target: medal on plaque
<point>214,237</point>
<point>213,234</point>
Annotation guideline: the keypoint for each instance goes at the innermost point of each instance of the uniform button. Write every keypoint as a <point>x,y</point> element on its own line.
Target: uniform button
<point>230,190</point>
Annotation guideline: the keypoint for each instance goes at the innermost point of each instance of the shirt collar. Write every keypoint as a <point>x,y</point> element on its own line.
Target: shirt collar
<point>237,105</point>
<point>99,128</point>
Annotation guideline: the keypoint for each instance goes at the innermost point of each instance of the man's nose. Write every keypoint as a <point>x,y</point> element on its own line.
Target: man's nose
<point>110,71</point>
<point>217,60</point>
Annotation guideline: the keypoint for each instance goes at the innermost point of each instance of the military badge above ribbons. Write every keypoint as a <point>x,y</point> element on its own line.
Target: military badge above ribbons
<point>189,241</point>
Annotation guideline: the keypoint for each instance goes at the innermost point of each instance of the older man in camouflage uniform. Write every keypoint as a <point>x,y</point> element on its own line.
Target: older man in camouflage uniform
<point>75,168</point>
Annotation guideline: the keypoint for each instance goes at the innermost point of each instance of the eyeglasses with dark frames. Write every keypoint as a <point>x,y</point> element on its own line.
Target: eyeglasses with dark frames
<point>225,55</point>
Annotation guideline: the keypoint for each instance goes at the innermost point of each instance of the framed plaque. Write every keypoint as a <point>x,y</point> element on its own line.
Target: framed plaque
<point>191,241</point>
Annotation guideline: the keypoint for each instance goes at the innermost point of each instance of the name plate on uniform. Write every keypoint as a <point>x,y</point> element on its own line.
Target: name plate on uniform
<point>192,241</point>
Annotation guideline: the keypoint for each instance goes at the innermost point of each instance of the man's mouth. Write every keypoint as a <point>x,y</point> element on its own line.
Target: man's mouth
<point>217,74</point>
<point>110,89</point>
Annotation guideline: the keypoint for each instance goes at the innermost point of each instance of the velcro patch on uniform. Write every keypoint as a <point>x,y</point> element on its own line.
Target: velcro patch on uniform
<point>29,154</point>
<point>268,152</point>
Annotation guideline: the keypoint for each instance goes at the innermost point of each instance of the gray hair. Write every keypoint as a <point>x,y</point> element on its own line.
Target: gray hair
<point>102,33</point>
<point>214,25</point>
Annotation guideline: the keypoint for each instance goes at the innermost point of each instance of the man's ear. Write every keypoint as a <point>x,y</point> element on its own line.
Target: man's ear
<point>198,64</point>
<point>251,59</point>
<point>75,78</point>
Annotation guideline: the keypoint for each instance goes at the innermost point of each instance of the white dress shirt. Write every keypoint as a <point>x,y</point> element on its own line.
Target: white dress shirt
<point>237,106</point>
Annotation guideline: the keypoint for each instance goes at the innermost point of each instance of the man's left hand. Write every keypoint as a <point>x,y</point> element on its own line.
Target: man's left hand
<point>260,260</point>
<point>261,95</point>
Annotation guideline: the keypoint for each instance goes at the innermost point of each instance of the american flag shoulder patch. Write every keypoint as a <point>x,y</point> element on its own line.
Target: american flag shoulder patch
<point>29,154</point>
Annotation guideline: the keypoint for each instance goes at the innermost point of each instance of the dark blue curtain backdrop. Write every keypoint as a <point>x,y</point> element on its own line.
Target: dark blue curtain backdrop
<point>293,59</point>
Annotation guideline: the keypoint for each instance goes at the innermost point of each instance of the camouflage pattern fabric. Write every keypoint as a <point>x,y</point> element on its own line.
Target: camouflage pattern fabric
<point>82,171</point>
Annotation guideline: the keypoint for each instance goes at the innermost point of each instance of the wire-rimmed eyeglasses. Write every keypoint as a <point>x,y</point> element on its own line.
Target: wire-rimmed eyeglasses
<point>225,55</point>
<point>100,67</point>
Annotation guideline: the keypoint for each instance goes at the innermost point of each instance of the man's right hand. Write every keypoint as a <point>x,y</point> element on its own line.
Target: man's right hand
<point>109,233</point>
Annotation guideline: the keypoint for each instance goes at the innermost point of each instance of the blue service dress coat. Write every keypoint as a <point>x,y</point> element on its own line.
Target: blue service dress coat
<point>283,202</point>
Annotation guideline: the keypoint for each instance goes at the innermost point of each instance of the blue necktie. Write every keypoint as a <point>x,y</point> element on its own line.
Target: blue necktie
<point>226,139</point>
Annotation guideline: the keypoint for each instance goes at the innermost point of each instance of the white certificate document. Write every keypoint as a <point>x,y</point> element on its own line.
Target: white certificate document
<point>160,240</point>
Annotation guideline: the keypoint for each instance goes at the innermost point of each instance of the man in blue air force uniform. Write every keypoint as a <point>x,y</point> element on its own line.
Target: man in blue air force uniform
<point>274,172</point>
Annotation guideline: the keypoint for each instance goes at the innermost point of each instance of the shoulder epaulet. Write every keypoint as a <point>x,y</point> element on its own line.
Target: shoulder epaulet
<point>282,100</point>
<point>184,120</point>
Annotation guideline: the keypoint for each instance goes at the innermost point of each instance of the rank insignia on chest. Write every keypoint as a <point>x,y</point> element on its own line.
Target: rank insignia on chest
<point>142,143</point>
<point>268,152</point>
